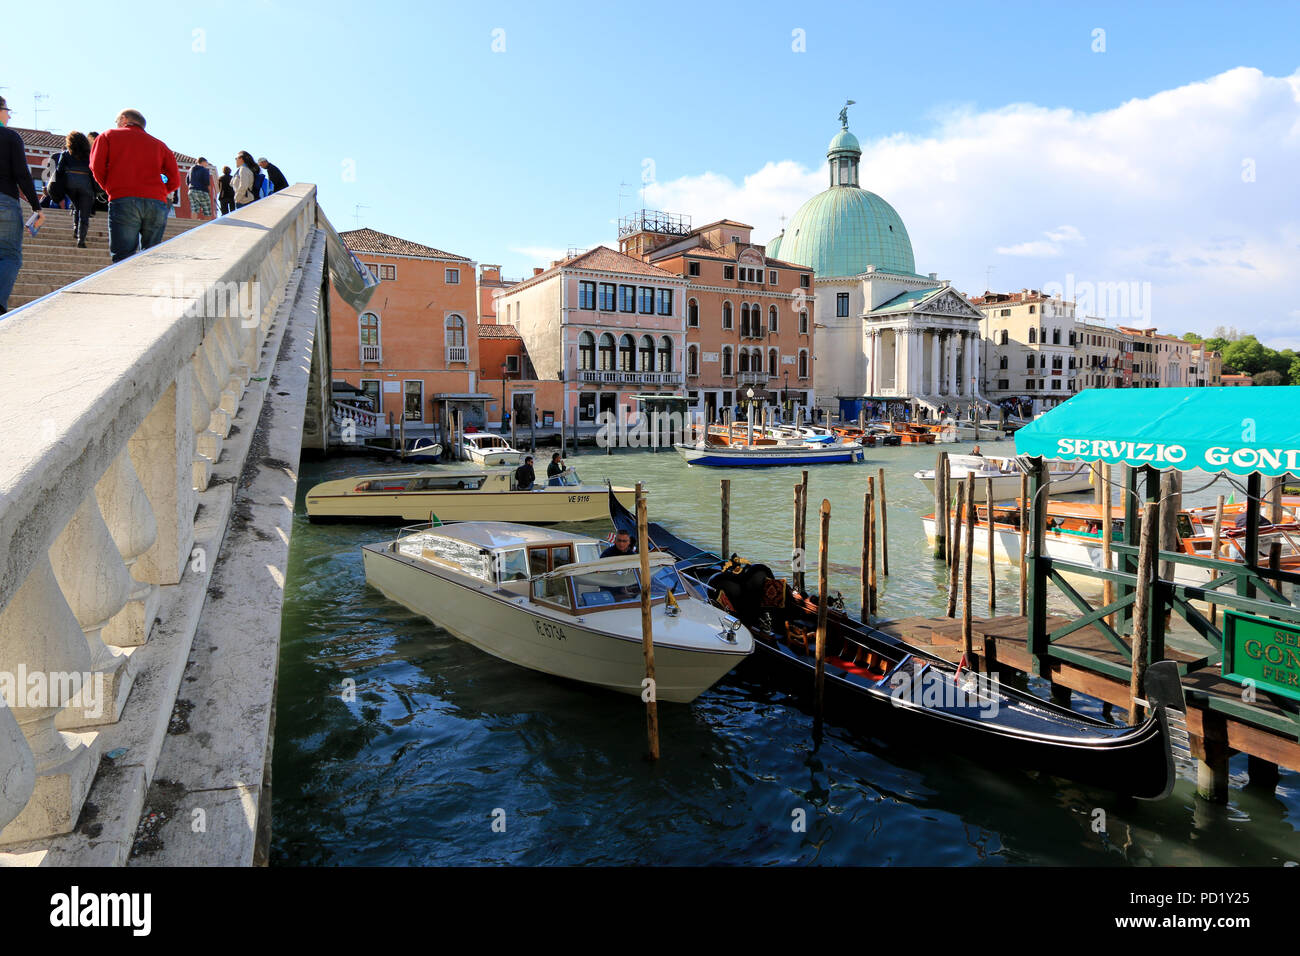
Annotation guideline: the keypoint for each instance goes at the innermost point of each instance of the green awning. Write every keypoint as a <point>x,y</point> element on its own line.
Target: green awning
<point>1239,430</point>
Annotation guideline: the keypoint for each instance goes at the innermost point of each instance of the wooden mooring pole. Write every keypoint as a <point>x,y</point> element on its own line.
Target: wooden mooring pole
<point>823,560</point>
<point>803,532</point>
<point>871,532</point>
<point>867,506</point>
<point>988,516</point>
<point>1214,550</point>
<point>1148,544</point>
<point>726,518</point>
<point>1024,544</point>
<point>1103,502</point>
<point>940,509</point>
<point>956,559</point>
<point>647,631</point>
<point>884,528</point>
<point>967,645</point>
<point>796,549</point>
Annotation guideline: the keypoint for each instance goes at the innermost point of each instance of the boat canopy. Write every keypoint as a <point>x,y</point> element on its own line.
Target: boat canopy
<point>622,562</point>
<point>1239,430</point>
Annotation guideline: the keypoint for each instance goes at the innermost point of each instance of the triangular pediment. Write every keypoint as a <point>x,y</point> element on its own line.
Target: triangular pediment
<point>949,302</point>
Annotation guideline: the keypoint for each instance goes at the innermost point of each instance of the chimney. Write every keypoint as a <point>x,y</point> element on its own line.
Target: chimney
<point>538,270</point>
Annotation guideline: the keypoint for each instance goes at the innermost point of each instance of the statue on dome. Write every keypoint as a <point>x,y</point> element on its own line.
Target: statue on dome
<point>844,114</point>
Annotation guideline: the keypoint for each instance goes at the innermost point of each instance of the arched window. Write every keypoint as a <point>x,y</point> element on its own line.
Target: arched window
<point>1033,336</point>
<point>756,320</point>
<point>771,319</point>
<point>647,356</point>
<point>455,330</point>
<point>803,363</point>
<point>726,361</point>
<point>743,359</point>
<point>803,322</point>
<point>1006,336</point>
<point>586,351</point>
<point>726,315</point>
<point>693,314</point>
<point>744,321</point>
<point>368,329</point>
<point>665,354</point>
<point>607,352</point>
<point>626,356</point>
<point>693,361</point>
<point>771,363</point>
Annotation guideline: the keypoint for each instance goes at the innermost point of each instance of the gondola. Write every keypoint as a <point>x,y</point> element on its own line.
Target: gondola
<point>885,687</point>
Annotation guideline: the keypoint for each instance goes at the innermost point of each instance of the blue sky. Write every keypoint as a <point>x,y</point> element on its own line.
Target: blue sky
<point>507,156</point>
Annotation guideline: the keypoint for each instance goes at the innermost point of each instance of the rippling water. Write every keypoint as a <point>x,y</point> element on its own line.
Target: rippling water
<point>443,740</point>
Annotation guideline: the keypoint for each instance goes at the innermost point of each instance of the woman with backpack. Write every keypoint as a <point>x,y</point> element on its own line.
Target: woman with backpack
<point>245,181</point>
<point>75,181</point>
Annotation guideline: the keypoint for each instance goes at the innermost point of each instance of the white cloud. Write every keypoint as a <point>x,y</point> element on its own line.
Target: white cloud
<point>1192,189</point>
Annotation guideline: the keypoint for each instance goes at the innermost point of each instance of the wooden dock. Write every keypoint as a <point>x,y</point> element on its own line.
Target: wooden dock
<point>1000,644</point>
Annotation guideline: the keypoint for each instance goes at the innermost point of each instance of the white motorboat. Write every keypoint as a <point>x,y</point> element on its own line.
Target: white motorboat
<point>1066,477</point>
<point>547,601</point>
<point>461,493</point>
<point>769,453</point>
<point>488,449</point>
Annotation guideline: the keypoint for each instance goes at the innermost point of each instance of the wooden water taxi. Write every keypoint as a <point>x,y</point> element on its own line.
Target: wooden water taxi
<point>1074,532</point>
<point>547,601</point>
<point>913,434</point>
<point>459,494</point>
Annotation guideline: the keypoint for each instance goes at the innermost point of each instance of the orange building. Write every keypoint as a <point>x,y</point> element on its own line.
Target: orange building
<point>415,348</point>
<point>749,318</point>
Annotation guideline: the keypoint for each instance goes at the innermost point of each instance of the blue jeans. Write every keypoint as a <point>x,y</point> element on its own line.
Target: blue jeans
<point>11,245</point>
<point>135,221</point>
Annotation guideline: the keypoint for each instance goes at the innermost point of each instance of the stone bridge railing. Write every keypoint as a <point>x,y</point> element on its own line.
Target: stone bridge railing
<point>146,408</point>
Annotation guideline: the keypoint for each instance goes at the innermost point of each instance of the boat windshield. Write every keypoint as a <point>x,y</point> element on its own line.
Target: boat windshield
<point>567,479</point>
<point>461,555</point>
<point>600,589</point>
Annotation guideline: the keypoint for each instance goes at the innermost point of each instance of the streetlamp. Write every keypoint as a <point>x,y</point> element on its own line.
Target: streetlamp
<point>785,393</point>
<point>749,395</point>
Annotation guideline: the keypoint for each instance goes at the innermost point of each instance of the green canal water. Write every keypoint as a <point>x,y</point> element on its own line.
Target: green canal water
<point>440,741</point>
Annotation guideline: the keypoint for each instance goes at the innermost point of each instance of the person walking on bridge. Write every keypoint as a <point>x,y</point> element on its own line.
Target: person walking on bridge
<point>139,173</point>
<point>15,178</point>
<point>273,173</point>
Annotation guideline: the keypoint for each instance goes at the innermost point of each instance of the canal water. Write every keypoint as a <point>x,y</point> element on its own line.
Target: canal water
<point>445,755</point>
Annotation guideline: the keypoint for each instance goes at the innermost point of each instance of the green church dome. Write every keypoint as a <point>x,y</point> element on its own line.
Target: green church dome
<point>773,247</point>
<point>842,231</point>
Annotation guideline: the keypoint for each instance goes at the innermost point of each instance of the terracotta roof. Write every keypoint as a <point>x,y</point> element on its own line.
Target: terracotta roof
<point>42,139</point>
<point>600,259</point>
<point>368,240</point>
<point>704,252</point>
<point>502,331</point>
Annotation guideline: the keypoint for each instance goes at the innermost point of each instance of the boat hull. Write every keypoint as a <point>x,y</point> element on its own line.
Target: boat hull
<point>1006,487</point>
<point>1133,763</point>
<point>545,506</point>
<point>513,629</point>
<point>769,456</point>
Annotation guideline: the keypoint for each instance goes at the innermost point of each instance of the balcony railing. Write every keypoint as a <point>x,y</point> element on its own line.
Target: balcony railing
<point>372,353</point>
<point>619,377</point>
<point>457,353</point>
<point>753,378</point>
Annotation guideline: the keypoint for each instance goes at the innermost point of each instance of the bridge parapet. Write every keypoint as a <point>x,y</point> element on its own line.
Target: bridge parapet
<point>135,398</point>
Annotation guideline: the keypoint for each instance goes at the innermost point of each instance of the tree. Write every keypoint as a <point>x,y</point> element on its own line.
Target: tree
<point>1246,354</point>
<point>1268,378</point>
<point>1228,333</point>
<point>1192,337</point>
<point>1295,371</point>
<point>1216,344</point>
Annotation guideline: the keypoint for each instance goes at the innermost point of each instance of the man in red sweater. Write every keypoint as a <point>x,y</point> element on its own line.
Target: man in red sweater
<point>139,174</point>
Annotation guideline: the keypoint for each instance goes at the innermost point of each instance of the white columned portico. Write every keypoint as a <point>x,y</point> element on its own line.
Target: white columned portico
<point>934,363</point>
<point>970,365</point>
<point>952,365</point>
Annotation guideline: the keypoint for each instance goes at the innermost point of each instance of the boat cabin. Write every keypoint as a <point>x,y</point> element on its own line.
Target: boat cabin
<point>460,480</point>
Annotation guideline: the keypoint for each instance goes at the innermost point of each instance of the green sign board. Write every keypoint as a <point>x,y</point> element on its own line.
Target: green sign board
<point>1262,650</point>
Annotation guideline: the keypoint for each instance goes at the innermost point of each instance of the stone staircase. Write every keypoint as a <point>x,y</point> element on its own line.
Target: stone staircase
<point>51,259</point>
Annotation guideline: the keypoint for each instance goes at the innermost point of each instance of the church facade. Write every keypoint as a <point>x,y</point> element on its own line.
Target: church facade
<point>885,331</point>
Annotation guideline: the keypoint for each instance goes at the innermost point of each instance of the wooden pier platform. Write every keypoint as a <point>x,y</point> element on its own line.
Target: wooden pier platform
<point>1000,643</point>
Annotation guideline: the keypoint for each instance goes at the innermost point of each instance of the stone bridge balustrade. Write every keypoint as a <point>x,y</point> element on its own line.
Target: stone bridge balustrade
<point>127,389</point>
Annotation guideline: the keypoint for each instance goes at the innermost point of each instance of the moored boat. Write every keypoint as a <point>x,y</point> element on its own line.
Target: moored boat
<point>767,453</point>
<point>459,494</point>
<point>913,434</point>
<point>883,686</point>
<point>547,601</point>
<point>487,449</point>
<point>1065,477</point>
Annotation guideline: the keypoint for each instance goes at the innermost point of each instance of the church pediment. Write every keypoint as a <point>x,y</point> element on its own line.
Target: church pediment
<point>949,302</point>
